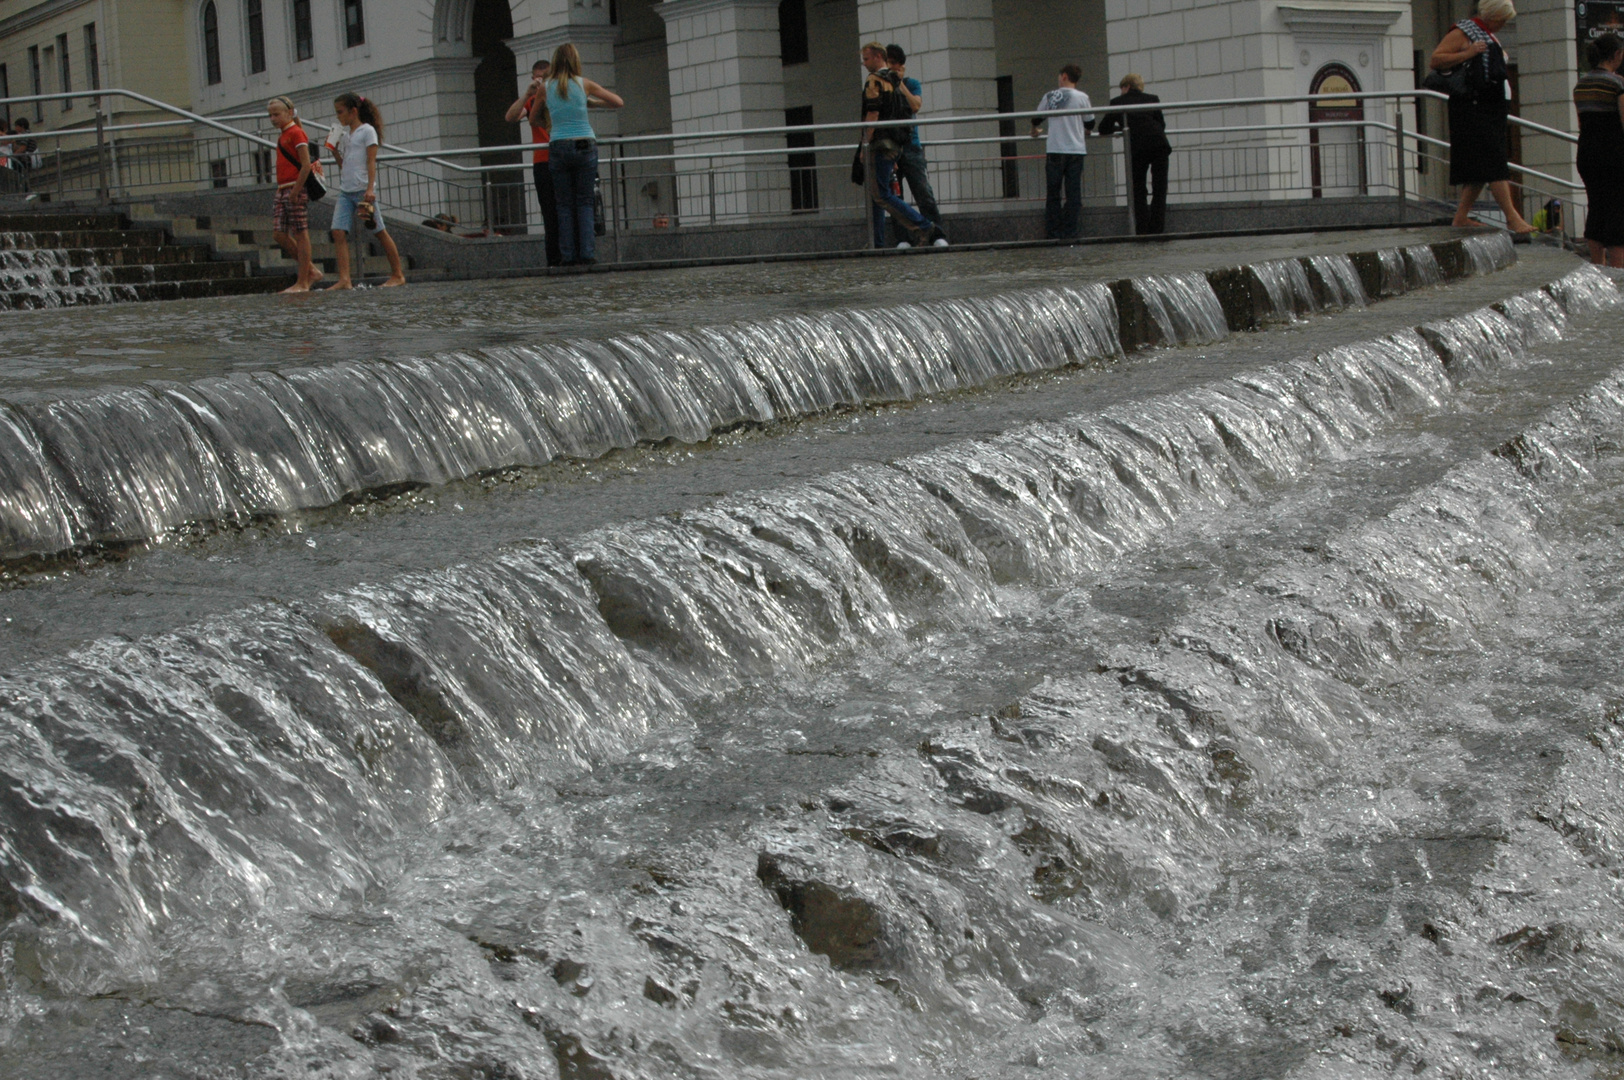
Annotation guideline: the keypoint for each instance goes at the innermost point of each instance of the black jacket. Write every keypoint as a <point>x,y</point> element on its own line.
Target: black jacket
<point>1145,129</point>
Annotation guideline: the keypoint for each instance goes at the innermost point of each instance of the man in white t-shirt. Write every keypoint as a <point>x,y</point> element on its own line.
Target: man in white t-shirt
<point>1063,163</point>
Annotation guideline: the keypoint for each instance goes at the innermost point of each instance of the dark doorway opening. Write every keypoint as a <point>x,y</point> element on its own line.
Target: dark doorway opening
<point>803,167</point>
<point>1008,152</point>
<point>496,82</point>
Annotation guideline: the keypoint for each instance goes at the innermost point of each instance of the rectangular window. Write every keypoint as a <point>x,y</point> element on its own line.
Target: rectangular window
<point>794,44</point>
<point>64,74</point>
<point>355,31</point>
<point>218,173</point>
<point>803,167</point>
<point>47,62</point>
<point>1006,128</point>
<point>304,38</point>
<point>263,166</point>
<point>5,92</point>
<point>92,56</point>
<point>39,83</point>
<point>256,36</point>
<point>1420,61</point>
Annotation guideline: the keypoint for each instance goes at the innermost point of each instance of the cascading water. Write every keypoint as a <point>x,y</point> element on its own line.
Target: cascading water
<point>132,464</point>
<point>1183,307</point>
<point>1338,280</point>
<point>46,278</point>
<point>1286,282</point>
<point>975,763</point>
<point>1421,266</point>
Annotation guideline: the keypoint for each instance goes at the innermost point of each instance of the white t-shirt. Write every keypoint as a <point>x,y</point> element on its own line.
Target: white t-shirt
<point>1067,133</point>
<point>354,176</point>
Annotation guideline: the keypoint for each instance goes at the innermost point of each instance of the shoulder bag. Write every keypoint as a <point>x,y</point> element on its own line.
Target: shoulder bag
<point>315,189</point>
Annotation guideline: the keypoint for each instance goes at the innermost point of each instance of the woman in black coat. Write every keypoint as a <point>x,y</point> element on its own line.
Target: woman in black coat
<point>1477,118</point>
<point>1147,143</point>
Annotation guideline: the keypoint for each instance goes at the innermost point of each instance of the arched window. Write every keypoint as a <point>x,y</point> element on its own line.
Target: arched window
<point>211,42</point>
<point>256,36</point>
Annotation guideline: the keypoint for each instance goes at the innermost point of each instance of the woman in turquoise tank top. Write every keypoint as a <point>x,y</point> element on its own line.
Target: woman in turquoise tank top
<point>573,156</point>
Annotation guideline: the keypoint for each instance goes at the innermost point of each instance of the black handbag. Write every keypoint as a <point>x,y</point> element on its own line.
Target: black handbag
<point>315,189</point>
<point>1456,82</point>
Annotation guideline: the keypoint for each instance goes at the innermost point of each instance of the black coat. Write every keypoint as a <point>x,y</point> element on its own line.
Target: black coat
<point>1146,130</point>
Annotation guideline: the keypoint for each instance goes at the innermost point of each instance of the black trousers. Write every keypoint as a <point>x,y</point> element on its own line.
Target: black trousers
<point>1150,214</point>
<point>549,212</point>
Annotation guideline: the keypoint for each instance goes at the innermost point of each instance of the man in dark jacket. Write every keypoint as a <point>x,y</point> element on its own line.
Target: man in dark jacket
<point>1147,142</point>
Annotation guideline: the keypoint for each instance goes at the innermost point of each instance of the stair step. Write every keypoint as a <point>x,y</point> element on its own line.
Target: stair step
<point>161,290</point>
<point>47,221</point>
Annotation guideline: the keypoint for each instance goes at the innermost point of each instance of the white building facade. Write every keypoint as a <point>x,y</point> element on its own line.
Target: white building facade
<point>443,71</point>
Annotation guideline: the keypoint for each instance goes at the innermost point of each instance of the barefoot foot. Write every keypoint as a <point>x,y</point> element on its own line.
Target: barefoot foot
<point>393,281</point>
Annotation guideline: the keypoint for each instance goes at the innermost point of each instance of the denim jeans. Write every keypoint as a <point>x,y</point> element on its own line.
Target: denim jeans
<point>575,182</point>
<point>911,168</point>
<point>884,168</point>
<point>549,210</point>
<point>1064,172</point>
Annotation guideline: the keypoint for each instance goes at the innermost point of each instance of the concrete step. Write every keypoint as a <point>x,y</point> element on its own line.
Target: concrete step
<point>160,290</point>
<point>48,221</point>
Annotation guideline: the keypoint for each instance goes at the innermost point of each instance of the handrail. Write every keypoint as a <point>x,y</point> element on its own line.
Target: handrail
<point>162,106</point>
<point>439,157</point>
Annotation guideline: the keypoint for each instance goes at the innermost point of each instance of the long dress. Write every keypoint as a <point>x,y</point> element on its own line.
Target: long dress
<point>1477,120</point>
<point>1601,155</point>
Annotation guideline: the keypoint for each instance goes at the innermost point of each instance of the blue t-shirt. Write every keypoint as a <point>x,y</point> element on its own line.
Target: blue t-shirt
<point>917,90</point>
<point>569,111</point>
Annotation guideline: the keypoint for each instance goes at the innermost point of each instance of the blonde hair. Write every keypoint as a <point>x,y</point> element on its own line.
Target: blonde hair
<point>875,47</point>
<point>1496,9</point>
<point>286,102</point>
<point>566,66</point>
<point>1131,82</point>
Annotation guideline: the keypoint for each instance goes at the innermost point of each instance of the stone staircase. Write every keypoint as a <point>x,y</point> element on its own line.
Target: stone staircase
<point>248,237</point>
<point>60,258</point>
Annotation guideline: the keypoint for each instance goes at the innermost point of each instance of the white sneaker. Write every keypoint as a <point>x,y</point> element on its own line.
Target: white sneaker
<point>904,244</point>
<point>940,241</point>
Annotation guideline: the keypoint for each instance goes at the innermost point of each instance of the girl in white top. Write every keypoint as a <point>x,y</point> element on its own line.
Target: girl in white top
<point>358,186</point>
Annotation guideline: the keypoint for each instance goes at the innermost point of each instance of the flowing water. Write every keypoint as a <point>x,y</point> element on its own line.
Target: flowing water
<point>1243,708</point>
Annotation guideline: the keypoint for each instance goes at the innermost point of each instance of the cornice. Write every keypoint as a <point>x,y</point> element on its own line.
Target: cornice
<point>581,33</point>
<point>1334,17</point>
<point>38,14</point>
<point>682,9</point>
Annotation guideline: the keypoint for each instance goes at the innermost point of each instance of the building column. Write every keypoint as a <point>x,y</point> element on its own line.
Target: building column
<point>952,51</point>
<point>727,74</point>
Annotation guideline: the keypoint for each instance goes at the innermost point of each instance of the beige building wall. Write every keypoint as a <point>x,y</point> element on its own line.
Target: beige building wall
<point>139,44</point>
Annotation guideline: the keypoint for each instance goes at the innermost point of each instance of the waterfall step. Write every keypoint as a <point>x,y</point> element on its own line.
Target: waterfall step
<point>52,258</point>
<point>248,237</point>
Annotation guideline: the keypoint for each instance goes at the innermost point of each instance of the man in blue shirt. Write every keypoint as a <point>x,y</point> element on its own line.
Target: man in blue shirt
<point>911,162</point>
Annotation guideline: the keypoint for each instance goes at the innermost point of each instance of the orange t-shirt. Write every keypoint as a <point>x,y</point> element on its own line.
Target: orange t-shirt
<point>538,133</point>
<point>293,136</point>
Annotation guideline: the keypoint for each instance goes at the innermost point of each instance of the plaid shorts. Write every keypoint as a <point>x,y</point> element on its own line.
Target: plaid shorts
<point>291,211</point>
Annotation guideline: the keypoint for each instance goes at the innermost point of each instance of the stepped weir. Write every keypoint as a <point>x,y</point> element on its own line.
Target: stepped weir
<point>1199,670</point>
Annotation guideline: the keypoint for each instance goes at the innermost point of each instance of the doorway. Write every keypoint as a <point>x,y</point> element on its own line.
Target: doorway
<point>496,82</point>
<point>1336,153</point>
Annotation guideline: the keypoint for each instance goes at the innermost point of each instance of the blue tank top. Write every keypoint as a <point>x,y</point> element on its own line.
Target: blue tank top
<point>569,112</point>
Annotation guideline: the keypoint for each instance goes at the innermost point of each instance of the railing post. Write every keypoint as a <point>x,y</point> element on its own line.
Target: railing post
<point>613,208</point>
<point>59,182</point>
<point>101,154</point>
<point>710,174</point>
<point>1398,135</point>
<point>870,187</point>
<point>1127,164</point>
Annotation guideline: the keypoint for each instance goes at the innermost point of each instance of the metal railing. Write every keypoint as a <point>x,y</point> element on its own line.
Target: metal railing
<point>1283,147</point>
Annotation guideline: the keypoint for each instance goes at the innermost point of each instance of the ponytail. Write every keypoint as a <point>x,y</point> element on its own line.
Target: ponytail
<point>368,110</point>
